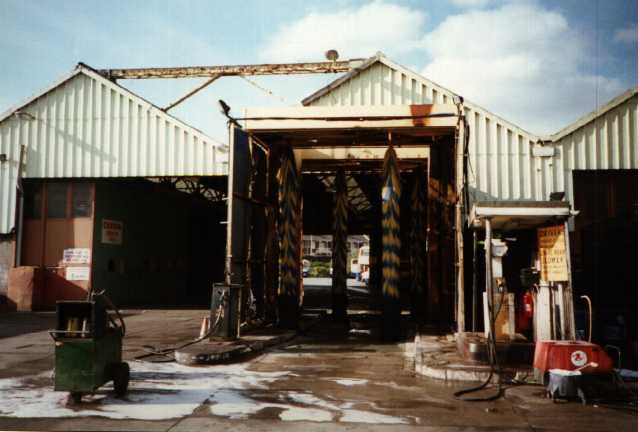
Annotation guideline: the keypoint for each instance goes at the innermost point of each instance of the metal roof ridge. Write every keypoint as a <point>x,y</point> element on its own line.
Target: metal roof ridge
<point>345,77</point>
<point>593,115</point>
<point>93,73</point>
<point>46,90</point>
<point>382,58</point>
<point>82,68</point>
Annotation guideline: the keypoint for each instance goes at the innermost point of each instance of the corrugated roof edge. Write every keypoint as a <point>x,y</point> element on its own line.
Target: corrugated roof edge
<point>382,58</point>
<point>9,112</point>
<point>83,68</point>
<point>592,116</point>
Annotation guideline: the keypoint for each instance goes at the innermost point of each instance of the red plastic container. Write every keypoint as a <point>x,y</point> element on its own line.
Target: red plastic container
<point>569,355</point>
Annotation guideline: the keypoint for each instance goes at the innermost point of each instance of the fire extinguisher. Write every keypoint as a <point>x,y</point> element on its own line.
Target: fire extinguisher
<point>526,312</point>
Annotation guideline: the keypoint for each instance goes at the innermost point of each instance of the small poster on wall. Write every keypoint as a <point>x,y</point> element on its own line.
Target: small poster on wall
<point>76,256</point>
<point>552,252</point>
<point>78,273</point>
<point>112,231</point>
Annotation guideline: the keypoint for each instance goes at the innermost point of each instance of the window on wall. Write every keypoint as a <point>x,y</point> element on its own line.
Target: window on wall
<point>32,200</point>
<point>56,200</point>
<point>81,200</point>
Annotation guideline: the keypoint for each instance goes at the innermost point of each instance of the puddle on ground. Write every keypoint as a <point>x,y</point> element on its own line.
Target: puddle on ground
<point>157,391</point>
<point>295,406</point>
<point>160,391</point>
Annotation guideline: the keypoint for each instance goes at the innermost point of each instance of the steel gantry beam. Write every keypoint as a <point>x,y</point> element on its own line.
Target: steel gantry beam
<point>230,70</point>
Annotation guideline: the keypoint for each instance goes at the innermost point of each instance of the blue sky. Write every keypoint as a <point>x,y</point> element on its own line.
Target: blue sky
<point>540,64</point>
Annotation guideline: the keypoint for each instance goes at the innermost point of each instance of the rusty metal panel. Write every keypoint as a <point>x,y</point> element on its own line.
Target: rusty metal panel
<point>301,118</point>
<point>230,70</point>
<point>88,127</point>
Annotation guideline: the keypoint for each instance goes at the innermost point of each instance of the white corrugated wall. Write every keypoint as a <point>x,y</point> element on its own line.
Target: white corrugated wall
<point>607,142</point>
<point>90,127</point>
<point>502,166</point>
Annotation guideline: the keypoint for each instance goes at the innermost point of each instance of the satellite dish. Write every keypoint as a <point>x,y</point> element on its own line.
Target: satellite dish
<point>332,55</point>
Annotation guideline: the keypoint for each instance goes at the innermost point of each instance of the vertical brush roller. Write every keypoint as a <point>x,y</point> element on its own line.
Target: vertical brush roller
<point>340,249</point>
<point>417,246</point>
<point>289,290</point>
<point>390,196</point>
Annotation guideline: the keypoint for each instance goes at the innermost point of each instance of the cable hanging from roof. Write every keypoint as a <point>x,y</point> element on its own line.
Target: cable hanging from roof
<point>263,89</point>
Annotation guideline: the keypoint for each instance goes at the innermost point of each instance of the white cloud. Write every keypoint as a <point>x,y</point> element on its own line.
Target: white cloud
<point>518,59</point>
<point>470,3</point>
<point>629,34</point>
<point>521,61</point>
<point>354,32</point>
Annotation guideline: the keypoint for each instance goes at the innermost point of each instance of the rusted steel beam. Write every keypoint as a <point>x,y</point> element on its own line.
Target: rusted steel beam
<point>192,92</point>
<point>210,71</point>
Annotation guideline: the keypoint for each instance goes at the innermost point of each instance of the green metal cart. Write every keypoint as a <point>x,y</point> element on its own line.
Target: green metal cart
<point>88,348</point>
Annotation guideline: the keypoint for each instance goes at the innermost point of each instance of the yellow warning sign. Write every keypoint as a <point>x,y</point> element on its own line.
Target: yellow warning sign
<point>552,252</point>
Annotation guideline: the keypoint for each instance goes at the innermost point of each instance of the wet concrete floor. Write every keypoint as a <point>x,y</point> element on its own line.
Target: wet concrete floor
<point>331,378</point>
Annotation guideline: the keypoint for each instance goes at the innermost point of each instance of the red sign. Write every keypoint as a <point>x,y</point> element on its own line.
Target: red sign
<point>112,231</point>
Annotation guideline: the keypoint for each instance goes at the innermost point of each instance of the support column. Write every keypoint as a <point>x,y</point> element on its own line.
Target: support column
<point>272,237</point>
<point>417,246</point>
<point>259,228</point>
<point>458,226</point>
<point>340,249</point>
<point>391,240</point>
<point>289,230</point>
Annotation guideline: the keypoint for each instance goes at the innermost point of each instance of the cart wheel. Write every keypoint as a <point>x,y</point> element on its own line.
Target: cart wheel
<point>121,377</point>
<point>75,398</point>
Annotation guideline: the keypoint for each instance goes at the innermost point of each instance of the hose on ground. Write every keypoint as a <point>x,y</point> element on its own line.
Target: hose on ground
<point>494,368</point>
<point>169,353</point>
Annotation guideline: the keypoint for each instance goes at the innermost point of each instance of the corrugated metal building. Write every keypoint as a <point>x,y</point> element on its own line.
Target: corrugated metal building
<point>85,126</point>
<point>606,139</point>
<point>80,130</point>
<point>598,158</point>
<point>502,164</point>
<point>594,161</point>
<point>506,162</point>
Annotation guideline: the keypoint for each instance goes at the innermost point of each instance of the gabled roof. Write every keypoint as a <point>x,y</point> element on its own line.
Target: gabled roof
<point>84,69</point>
<point>588,118</point>
<point>86,126</point>
<point>381,58</point>
<point>67,77</point>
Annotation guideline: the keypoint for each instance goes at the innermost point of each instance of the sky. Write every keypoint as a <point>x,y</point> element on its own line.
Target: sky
<point>540,64</point>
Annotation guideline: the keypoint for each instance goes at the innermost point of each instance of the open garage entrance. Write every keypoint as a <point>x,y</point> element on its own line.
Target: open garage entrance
<point>146,242</point>
<point>388,173</point>
<point>605,253</point>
